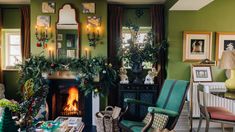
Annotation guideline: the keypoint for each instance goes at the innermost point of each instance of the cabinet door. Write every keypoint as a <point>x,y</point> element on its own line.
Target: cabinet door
<point>146,97</point>
<point>132,108</point>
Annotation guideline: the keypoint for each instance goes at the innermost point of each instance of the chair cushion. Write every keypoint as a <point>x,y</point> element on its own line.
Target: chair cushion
<point>131,124</point>
<point>219,113</point>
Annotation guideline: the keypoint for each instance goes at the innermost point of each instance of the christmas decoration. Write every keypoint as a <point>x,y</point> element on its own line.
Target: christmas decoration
<point>7,124</point>
<point>35,86</point>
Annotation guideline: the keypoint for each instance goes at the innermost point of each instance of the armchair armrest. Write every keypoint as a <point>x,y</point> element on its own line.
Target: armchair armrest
<point>170,113</point>
<point>134,101</point>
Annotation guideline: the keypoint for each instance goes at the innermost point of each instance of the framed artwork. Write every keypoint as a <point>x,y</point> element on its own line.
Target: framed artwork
<point>59,45</point>
<point>48,7</point>
<point>94,21</point>
<point>88,7</point>
<point>197,46</point>
<point>71,53</point>
<point>43,21</point>
<point>59,37</point>
<point>224,41</point>
<point>70,40</point>
<point>201,73</point>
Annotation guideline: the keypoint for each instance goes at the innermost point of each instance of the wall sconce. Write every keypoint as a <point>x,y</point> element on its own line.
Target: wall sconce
<point>93,30</point>
<point>42,36</point>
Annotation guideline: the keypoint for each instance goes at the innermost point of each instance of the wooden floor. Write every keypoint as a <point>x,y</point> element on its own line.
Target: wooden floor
<point>183,123</point>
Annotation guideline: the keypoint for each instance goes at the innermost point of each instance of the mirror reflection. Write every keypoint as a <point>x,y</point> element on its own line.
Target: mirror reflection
<point>67,33</point>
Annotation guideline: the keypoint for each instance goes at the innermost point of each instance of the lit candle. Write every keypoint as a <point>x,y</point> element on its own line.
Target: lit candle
<point>89,54</point>
<point>98,30</point>
<point>86,52</point>
<point>53,54</point>
<point>36,28</point>
<point>49,52</point>
<point>46,32</point>
<point>88,28</point>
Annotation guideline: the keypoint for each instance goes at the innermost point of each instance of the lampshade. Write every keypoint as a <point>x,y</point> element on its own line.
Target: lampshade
<point>228,60</point>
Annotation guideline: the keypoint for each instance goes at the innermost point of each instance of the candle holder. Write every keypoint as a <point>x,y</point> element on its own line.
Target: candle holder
<point>42,36</point>
<point>93,35</point>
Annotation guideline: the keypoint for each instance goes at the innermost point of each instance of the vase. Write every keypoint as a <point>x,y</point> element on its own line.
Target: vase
<point>137,69</point>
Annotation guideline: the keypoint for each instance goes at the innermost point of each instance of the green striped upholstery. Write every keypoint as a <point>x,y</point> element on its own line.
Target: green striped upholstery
<point>170,102</point>
<point>170,97</point>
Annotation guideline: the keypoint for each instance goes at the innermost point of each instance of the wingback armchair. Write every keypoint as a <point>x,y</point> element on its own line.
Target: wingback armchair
<point>170,103</point>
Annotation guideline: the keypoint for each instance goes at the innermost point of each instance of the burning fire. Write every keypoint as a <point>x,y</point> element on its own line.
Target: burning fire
<point>72,100</point>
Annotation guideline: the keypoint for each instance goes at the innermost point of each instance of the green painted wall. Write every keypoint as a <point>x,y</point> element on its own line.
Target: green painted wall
<point>215,17</point>
<point>11,18</point>
<point>101,10</point>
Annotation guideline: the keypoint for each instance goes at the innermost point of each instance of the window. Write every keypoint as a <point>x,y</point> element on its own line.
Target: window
<point>126,36</point>
<point>12,48</point>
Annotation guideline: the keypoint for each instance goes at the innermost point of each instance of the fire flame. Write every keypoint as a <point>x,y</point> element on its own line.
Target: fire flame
<point>72,100</point>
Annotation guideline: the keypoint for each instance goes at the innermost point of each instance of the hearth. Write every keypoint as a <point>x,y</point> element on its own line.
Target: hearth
<point>65,99</point>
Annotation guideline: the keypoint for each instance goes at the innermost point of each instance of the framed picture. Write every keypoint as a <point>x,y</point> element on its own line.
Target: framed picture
<point>59,45</point>
<point>88,7</point>
<point>224,41</point>
<point>94,21</point>
<point>71,53</point>
<point>197,46</point>
<point>70,40</point>
<point>48,7</point>
<point>43,21</point>
<point>201,73</point>
<point>59,37</point>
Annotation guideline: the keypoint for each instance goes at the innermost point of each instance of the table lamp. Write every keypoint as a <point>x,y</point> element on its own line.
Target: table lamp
<point>228,62</point>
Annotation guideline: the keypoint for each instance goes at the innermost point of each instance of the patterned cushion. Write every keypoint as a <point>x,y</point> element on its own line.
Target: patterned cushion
<point>159,122</point>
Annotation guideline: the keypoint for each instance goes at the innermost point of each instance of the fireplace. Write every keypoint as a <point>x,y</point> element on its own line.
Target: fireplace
<point>64,99</point>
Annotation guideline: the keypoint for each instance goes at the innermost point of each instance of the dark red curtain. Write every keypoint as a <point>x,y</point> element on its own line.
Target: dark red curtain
<point>25,32</point>
<point>157,21</point>
<point>1,59</point>
<point>115,14</point>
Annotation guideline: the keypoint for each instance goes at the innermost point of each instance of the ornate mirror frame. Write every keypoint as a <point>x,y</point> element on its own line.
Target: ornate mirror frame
<point>67,19</point>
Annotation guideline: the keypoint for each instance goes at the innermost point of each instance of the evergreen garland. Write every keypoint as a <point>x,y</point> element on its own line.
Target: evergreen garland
<point>35,86</point>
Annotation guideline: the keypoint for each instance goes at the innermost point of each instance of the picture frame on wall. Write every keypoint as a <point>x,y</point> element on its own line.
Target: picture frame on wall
<point>197,46</point>
<point>70,40</point>
<point>94,21</point>
<point>43,21</point>
<point>59,37</point>
<point>224,41</point>
<point>48,7</point>
<point>88,7</point>
<point>202,73</point>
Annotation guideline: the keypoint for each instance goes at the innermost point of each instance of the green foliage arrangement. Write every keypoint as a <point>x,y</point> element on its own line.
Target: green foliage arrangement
<point>11,105</point>
<point>138,53</point>
<point>35,86</point>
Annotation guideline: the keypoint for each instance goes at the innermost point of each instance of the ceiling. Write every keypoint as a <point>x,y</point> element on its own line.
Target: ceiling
<point>190,5</point>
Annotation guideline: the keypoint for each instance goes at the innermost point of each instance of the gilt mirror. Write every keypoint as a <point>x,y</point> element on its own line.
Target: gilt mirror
<point>67,33</point>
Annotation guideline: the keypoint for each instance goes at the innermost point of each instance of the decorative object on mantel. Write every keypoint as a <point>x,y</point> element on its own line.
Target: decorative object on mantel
<point>123,76</point>
<point>93,30</point>
<point>149,79</point>
<point>42,31</point>
<point>137,53</point>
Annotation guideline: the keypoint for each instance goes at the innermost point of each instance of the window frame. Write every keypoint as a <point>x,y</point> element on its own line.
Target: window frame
<point>6,47</point>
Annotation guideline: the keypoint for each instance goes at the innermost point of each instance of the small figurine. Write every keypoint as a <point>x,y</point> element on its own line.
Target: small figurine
<point>123,76</point>
<point>149,79</point>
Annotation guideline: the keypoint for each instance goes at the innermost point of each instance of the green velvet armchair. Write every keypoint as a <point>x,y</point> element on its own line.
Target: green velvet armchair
<point>170,102</point>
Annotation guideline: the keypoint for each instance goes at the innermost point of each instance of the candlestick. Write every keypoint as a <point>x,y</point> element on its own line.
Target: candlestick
<point>86,50</point>
<point>89,54</point>
<point>50,53</point>
<point>53,54</point>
